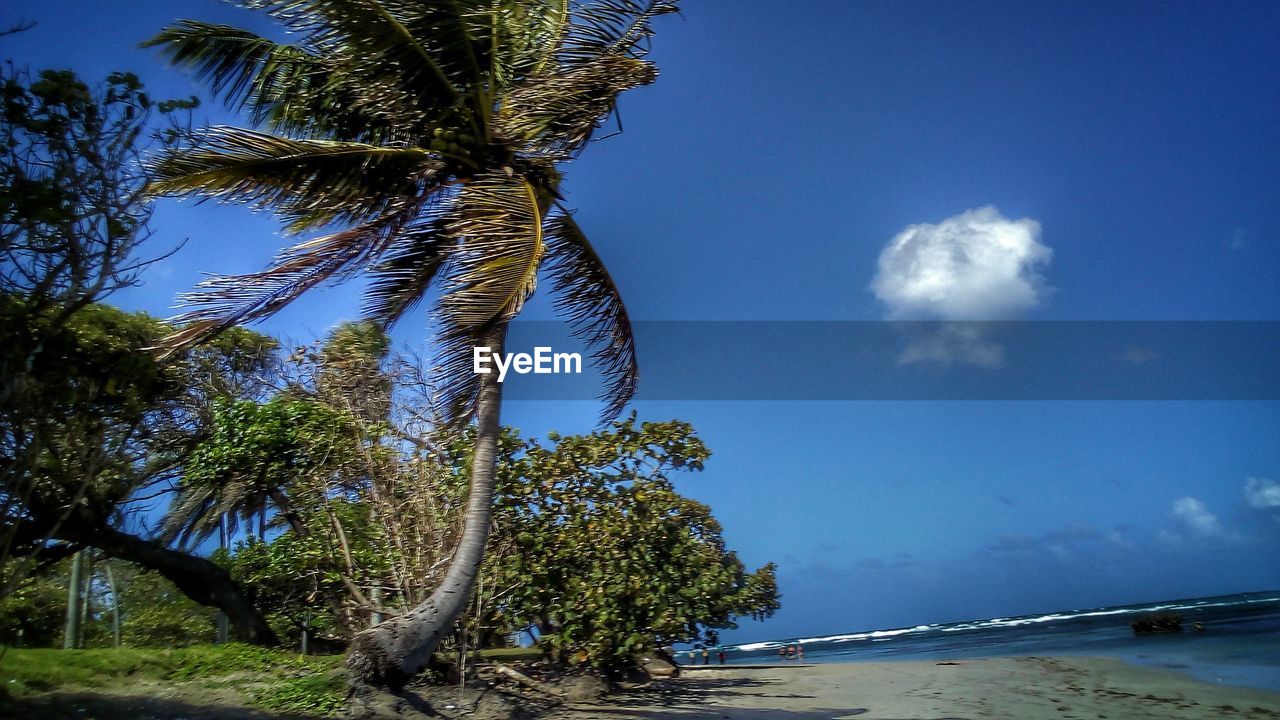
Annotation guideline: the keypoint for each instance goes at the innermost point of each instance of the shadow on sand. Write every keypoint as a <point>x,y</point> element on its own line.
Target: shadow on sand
<point>102,706</point>
<point>696,699</point>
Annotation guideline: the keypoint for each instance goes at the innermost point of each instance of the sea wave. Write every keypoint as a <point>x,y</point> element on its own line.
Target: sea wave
<point>757,646</point>
<point>869,635</point>
<point>998,623</point>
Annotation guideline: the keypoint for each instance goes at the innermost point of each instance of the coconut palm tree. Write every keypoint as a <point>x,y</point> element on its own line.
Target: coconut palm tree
<point>423,141</point>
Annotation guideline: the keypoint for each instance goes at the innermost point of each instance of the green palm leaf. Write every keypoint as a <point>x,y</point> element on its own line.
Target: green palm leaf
<point>611,27</point>
<point>555,116</point>
<point>588,298</point>
<point>238,64</point>
<point>221,302</point>
<point>416,52</point>
<point>399,281</point>
<point>309,183</point>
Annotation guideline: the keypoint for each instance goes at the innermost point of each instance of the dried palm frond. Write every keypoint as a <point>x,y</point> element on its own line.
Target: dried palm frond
<point>556,116</point>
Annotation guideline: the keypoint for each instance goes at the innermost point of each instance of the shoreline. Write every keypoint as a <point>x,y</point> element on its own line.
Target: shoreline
<point>1216,674</point>
<point>1012,688</point>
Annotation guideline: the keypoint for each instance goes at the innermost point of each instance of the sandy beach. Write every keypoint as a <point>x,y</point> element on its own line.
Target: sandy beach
<point>1012,688</point>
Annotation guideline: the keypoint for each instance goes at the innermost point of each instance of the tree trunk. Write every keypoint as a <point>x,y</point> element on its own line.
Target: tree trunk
<point>115,605</point>
<point>86,599</point>
<point>71,633</point>
<point>198,578</point>
<point>398,649</point>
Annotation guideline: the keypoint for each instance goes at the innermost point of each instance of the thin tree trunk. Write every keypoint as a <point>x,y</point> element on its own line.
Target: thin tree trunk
<point>86,601</point>
<point>400,648</point>
<point>71,633</point>
<point>115,605</point>
<point>224,623</point>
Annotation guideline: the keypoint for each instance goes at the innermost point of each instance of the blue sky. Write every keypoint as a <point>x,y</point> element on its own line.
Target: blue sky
<point>763,177</point>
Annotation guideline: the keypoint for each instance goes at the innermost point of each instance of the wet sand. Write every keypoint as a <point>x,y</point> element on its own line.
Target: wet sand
<point>1012,688</point>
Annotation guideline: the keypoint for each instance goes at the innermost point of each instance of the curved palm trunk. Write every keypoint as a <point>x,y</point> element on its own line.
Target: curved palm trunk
<point>389,654</point>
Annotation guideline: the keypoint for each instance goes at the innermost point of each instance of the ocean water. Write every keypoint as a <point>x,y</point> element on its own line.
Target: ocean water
<point>1239,646</point>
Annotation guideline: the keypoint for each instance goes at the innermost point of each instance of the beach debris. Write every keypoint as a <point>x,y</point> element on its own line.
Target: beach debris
<point>536,685</point>
<point>657,667</point>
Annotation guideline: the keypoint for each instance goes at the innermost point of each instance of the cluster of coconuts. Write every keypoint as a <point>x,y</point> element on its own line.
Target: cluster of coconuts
<point>451,142</point>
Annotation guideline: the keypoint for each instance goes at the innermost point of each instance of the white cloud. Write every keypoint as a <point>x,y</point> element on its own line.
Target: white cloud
<point>977,265</point>
<point>1262,494</point>
<point>1196,517</point>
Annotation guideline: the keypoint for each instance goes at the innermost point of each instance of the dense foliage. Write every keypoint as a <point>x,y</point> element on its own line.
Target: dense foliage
<point>151,611</point>
<point>608,559</point>
<point>90,421</point>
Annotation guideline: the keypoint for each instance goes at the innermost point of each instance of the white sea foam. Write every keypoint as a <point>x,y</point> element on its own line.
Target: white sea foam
<point>872,635</point>
<point>1006,622</point>
<point>758,646</point>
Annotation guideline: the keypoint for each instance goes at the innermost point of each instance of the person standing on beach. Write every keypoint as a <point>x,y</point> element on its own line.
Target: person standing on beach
<point>693,657</point>
<point>721,656</point>
<point>799,652</point>
<point>706,656</point>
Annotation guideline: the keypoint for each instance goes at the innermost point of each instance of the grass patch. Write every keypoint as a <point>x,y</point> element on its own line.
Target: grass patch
<point>289,681</point>
<point>317,694</point>
<point>43,670</point>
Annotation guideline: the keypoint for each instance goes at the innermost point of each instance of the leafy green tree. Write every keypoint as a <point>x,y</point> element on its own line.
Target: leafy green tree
<point>153,612</point>
<point>313,457</point>
<point>32,615</point>
<point>114,422</point>
<point>607,559</point>
<point>304,580</point>
<point>256,455</point>
<point>428,136</point>
<point>89,419</point>
<point>72,215</point>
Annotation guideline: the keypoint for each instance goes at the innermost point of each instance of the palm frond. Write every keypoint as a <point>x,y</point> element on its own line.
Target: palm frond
<point>403,49</point>
<point>236,63</point>
<point>588,298</point>
<point>556,115</point>
<point>496,224</point>
<point>200,510</point>
<point>525,37</point>
<point>190,516</point>
<point>309,183</point>
<point>611,27</point>
<point>221,302</point>
<point>405,273</point>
